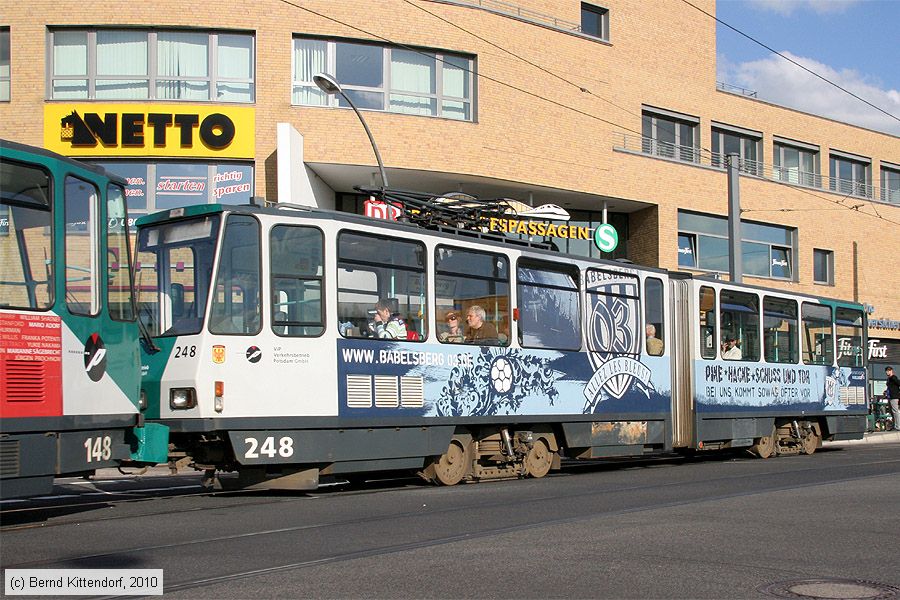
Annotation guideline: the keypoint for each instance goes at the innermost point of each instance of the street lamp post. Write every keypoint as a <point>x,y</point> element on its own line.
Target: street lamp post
<point>330,86</point>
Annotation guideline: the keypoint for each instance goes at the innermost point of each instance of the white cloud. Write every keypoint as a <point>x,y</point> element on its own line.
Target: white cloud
<point>789,7</point>
<point>777,80</point>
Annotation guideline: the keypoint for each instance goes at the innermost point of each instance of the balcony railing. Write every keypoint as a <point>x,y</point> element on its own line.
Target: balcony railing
<point>734,89</point>
<point>526,14</point>
<point>790,175</point>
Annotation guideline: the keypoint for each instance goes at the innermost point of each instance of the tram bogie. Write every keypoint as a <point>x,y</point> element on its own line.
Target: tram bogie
<point>273,365</point>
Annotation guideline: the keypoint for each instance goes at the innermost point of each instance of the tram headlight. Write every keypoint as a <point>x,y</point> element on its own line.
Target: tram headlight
<point>142,402</point>
<point>182,398</point>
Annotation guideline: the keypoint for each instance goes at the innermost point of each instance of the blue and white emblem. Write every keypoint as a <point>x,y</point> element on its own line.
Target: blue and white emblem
<point>612,326</point>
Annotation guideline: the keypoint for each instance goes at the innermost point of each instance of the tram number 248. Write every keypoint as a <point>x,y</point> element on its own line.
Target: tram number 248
<point>268,447</point>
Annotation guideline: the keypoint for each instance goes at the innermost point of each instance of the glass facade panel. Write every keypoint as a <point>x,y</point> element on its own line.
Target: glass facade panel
<point>359,65</point>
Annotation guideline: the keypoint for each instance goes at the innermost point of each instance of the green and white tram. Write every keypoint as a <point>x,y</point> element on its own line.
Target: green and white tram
<point>272,362</point>
<point>69,358</point>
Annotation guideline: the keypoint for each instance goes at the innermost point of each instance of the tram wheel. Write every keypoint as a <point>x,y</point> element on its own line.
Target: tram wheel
<point>810,441</point>
<point>764,446</point>
<point>539,459</point>
<point>452,465</point>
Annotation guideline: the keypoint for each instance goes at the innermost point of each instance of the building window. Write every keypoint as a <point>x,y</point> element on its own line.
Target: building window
<point>4,64</point>
<point>823,266</point>
<point>797,164</point>
<point>595,21</point>
<point>890,184</point>
<point>377,77</point>
<point>135,64</point>
<point>850,176</point>
<point>726,141</point>
<point>161,185</point>
<point>767,250</point>
<point>670,135</point>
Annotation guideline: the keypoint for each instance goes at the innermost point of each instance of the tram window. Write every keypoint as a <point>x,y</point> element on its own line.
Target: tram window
<point>818,346</point>
<point>378,269</point>
<point>467,280</point>
<point>613,313</point>
<point>549,314</point>
<point>118,266</point>
<point>739,319</point>
<point>849,328</point>
<point>26,244</point>
<point>707,321</point>
<point>780,330</point>
<point>236,299</point>
<point>654,316</point>
<point>81,242</point>
<point>297,274</point>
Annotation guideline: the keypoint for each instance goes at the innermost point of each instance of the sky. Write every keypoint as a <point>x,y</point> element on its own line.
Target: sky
<point>853,43</point>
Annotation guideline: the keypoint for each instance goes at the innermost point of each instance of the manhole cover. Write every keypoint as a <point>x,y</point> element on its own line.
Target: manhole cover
<point>832,589</point>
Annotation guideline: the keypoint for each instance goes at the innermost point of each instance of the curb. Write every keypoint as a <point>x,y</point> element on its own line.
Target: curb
<point>873,437</point>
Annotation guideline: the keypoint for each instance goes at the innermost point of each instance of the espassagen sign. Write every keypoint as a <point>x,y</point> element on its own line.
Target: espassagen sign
<point>150,130</point>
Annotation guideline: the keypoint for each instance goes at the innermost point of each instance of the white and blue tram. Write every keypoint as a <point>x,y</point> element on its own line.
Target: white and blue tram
<point>265,363</point>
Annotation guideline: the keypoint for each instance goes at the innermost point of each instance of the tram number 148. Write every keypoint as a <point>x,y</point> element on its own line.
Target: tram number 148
<point>285,447</point>
<point>98,448</point>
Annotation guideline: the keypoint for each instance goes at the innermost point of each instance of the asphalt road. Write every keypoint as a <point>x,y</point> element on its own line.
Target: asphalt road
<point>727,527</point>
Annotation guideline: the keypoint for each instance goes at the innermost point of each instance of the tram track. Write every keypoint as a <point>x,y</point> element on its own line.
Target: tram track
<point>513,505</point>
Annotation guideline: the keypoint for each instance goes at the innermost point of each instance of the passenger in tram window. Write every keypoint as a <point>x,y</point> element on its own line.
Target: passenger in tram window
<point>654,344</point>
<point>480,331</point>
<point>731,350</point>
<point>386,323</point>
<point>454,332</point>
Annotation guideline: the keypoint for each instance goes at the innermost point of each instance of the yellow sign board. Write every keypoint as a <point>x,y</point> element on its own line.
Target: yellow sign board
<point>540,228</point>
<point>182,130</point>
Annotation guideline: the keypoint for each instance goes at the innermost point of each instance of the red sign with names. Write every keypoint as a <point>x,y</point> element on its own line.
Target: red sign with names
<point>30,365</point>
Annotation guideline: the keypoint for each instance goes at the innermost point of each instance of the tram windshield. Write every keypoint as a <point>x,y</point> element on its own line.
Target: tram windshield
<point>173,273</point>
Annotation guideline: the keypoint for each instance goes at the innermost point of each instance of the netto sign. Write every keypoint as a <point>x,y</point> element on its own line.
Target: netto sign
<point>149,130</point>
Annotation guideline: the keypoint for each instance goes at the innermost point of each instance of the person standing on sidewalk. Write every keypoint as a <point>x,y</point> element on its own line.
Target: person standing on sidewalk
<point>893,393</point>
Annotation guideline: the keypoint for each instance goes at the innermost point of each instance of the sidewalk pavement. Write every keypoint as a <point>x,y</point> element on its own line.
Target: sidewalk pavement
<point>871,437</point>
